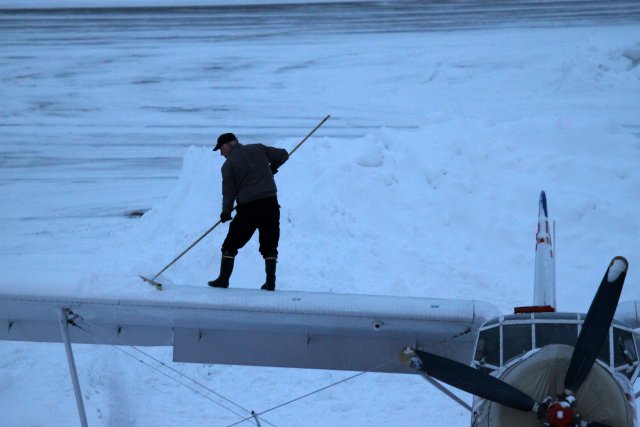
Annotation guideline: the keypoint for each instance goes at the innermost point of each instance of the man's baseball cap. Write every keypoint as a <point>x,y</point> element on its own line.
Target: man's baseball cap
<point>223,139</point>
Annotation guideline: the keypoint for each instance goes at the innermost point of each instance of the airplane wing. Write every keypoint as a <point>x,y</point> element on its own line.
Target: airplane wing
<point>254,327</point>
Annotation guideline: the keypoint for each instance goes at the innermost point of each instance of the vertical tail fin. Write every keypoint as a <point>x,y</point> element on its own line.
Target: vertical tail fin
<point>545,273</point>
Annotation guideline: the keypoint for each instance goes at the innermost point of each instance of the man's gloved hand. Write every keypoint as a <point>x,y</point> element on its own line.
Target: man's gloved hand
<point>224,217</point>
<point>274,170</point>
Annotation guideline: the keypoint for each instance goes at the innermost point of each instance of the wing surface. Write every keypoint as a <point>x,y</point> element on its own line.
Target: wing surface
<point>254,327</point>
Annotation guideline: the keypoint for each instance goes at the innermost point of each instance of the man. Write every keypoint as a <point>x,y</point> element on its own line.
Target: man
<point>247,178</point>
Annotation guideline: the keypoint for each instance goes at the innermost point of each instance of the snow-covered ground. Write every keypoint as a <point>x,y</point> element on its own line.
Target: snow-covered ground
<point>424,183</point>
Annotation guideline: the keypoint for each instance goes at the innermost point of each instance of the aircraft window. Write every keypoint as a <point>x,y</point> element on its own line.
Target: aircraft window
<point>624,351</point>
<point>488,349</point>
<point>556,333</point>
<point>493,321</point>
<point>516,340</point>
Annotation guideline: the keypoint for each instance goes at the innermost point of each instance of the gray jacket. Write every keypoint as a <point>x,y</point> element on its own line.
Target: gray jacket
<point>246,174</point>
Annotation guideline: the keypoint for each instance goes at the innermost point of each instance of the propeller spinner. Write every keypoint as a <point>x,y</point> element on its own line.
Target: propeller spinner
<point>558,413</point>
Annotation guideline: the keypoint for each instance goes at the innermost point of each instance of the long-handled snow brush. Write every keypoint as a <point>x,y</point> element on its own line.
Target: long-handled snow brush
<point>152,281</point>
<point>158,285</point>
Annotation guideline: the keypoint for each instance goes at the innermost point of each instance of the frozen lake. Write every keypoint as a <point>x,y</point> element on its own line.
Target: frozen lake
<point>99,105</point>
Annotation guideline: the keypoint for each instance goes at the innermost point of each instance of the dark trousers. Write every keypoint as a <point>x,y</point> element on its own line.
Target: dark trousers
<point>262,215</point>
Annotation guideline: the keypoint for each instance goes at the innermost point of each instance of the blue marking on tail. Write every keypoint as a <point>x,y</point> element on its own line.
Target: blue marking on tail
<point>543,202</point>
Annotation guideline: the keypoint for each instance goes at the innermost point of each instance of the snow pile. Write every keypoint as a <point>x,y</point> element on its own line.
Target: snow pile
<point>406,212</point>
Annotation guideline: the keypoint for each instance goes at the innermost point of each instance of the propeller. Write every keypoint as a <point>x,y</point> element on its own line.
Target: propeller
<point>595,327</point>
<point>474,381</point>
<point>594,331</point>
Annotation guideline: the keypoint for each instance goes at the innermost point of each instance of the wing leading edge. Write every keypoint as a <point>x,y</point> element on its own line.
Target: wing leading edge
<point>251,327</point>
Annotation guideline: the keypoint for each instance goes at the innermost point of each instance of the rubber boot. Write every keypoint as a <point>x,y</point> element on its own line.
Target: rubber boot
<point>270,269</point>
<point>226,268</point>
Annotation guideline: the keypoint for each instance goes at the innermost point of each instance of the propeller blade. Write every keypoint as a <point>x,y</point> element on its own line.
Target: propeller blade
<point>476,382</point>
<point>596,325</point>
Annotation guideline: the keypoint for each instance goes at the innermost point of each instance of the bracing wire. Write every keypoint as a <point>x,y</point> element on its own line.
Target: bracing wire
<point>253,415</point>
<point>175,370</point>
<point>310,393</point>
<point>177,381</point>
<point>104,334</point>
